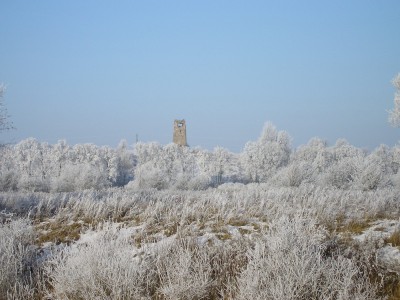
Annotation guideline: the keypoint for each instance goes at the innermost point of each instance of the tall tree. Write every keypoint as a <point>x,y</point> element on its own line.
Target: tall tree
<point>5,123</point>
<point>394,114</point>
<point>262,158</point>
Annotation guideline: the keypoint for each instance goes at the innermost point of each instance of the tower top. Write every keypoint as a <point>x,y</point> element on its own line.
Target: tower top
<point>180,132</point>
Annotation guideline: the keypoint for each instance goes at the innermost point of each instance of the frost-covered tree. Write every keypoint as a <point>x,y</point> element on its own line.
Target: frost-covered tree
<point>376,169</point>
<point>316,153</point>
<point>5,123</point>
<point>31,161</point>
<point>345,165</point>
<point>343,149</point>
<point>394,114</point>
<point>294,174</point>
<point>80,177</point>
<point>167,166</point>
<point>183,168</point>
<point>262,158</point>
<point>121,166</point>
<point>60,156</point>
<point>220,163</point>
<point>307,163</point>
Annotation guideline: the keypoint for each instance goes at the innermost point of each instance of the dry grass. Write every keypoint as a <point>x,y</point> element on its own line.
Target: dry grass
<point>171,229</point>
<point>392,290</point>
<point>223,236</point>
<point>342,224</point>
<point>394,239</point>
<point>356,227</point>
<point>238,222</point>
<point>59,232</point>
<point>244,231</point>
<point>63,230</point>
<point>389,285</point>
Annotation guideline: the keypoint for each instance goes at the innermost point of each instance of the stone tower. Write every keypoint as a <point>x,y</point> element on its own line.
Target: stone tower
<point>180,132</point>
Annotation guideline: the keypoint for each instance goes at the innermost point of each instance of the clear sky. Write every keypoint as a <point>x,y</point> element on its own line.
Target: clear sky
<point>101,71</point>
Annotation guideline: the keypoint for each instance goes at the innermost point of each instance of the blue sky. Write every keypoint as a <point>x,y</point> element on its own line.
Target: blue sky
<point>102,71</point>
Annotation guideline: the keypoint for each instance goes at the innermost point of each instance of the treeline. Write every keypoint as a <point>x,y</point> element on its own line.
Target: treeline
<point>33,166</point>
<point>270,160</point>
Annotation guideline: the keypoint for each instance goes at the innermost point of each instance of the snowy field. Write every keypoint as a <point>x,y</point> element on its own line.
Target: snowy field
<point>170,222</point>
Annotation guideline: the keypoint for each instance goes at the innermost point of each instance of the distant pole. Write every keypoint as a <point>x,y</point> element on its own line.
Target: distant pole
<point>137,138</point>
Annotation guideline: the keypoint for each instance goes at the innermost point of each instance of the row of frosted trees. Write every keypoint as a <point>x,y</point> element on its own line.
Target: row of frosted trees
<point>269,160</point>
<point>34,166</point>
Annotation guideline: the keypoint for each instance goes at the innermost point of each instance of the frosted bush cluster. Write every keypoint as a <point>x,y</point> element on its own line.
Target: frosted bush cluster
<point>17,259</point>
<point>104,267</point>
<point>238,241</point>
<point>291,262</point>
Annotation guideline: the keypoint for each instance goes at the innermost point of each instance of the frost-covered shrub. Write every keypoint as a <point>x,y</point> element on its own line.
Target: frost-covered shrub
<point>33,184</point>
<point>233,187</point>
<point>8,180</point>
<point>199,183</point>
<point>290,262</point>
<point>316,153</point>
<point>395,179</point>
<point>17,257</point>
<point>185,270</point>
<point>341,174</point>
<point>293,175</point>
<point>372,176</point>
<point>102,266</point>
<point>343,150</point>
<point>147,176</point>
<point>376,169</point>
<point>395,159</point>
<point>182,182</point>
<point>187,182</point>
<point>80,177</point>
